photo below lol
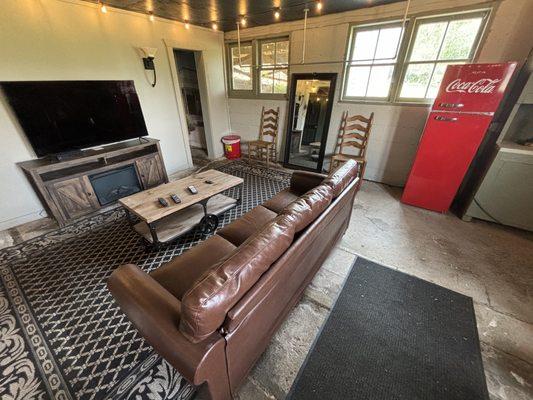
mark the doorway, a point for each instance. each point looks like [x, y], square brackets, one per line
[190, 92]
[310, 105]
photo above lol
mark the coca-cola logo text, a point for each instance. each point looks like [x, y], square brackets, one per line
[484, 85]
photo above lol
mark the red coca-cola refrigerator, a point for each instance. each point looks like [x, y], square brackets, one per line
[462, 112]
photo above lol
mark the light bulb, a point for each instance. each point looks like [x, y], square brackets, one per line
[243, 21]
[318, 5]
[152, 18]
[276, 14]
[187, 26]
[103, 8]
[214, 26]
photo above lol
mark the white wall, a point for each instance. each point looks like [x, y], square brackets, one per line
[73, 40]
[397, 127]
[245, 117]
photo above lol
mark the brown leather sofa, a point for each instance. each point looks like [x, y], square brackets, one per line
[212, 311]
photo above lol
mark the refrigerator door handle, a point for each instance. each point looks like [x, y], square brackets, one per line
[451, 105]
[446, 119]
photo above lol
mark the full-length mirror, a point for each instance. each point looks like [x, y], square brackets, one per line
[310, 105]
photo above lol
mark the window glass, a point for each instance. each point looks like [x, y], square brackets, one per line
[280, 80]
[428, 40]
[241, 72]
[387, 47]
[274, 60]
[282, 52]
[374, 53]
[460, 39]
[268, 53]
[380, 81]
[357, 81]
[365, 44]
[437, 42]
[416, 80]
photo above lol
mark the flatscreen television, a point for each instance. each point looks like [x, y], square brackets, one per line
[61, 116]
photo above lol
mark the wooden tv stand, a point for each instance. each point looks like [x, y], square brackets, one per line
[65, 189]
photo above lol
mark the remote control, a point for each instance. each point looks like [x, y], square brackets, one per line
[163, 202]
[208, 182]
[193, 190]
[175, 198]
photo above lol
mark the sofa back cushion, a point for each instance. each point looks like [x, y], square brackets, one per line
[309, 206]
[205, 305]
[303, 181]
[339, 179]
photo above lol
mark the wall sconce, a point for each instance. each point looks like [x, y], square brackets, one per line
[148, 61]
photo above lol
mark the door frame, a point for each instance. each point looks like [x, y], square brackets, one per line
[202, 86]
[330, 76]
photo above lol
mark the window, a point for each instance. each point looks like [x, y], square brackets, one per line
[373, 55]
[438, 43]
[263, 69]
[274, 66]
[374, 58]
[241, 67]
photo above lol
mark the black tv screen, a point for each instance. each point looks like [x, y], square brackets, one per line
[59, 116]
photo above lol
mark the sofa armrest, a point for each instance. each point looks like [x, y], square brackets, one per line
[303, 181]
[155, 312]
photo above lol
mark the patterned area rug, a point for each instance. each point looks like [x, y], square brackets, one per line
[62, 335]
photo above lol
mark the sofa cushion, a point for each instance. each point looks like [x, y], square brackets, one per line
[241, 229]
[303, 181]
[205, 305]
[309, 206]
[178, 275]
[280, 201]
[342, 176]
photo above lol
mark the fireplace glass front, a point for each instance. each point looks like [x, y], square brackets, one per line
[112, 185]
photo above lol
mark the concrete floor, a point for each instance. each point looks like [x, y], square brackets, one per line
[490, 263]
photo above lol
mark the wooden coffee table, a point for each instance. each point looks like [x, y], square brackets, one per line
[160, 224]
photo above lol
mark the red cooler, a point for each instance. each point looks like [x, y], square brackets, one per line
[232, 146]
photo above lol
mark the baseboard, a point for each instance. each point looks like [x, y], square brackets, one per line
[23, 219]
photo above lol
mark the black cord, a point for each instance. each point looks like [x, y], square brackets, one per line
[486, 212]
[155, 78]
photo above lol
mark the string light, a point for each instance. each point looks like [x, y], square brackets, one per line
[242, 20]
[103, 8]
[152, 18]
[187, 25]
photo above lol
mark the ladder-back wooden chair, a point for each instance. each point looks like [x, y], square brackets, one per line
[265, 149]
[354, 132]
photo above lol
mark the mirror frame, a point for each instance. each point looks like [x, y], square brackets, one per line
[332, 77]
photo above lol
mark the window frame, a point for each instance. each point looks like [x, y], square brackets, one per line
[274, 67]
[348, 61]
[405, 50]
[484, 14]
[255, 93]
[230, 47]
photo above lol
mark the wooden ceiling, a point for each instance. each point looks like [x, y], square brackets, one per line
[226, 12]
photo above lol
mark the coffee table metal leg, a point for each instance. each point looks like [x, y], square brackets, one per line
[239, 191]
[155, 239]
[128, 215]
